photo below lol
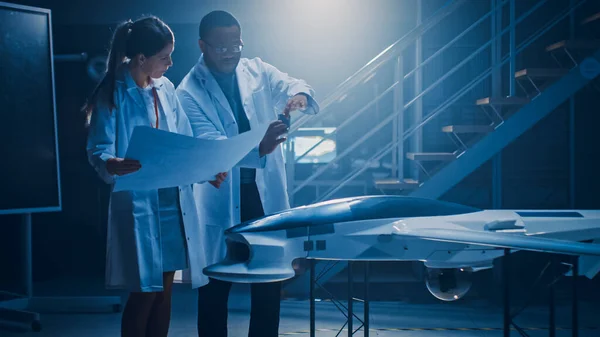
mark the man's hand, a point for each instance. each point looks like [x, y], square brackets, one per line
[220, 178]
[120, 166]
[297, 102]
[271, 139]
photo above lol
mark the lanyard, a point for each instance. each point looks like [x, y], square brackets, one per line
[155, 94]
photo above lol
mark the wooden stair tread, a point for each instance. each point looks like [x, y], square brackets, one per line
[431, 156]
[468, 128]
[574, 44]
[591, 18]
[541, 72]
[396, 184]
[503, 101]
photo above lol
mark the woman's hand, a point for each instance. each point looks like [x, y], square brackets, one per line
[120, 166]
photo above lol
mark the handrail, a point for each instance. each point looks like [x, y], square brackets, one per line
[390, 52]
[406, 106]
[390, 146]
[548, 25]
[347, 121]
[385, 150]
[422, 64]
[455, 39]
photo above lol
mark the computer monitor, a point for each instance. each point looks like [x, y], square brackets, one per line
[29, 168]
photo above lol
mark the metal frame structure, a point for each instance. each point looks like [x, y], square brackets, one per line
[388, 54]
[416, 144]
[398, 122]
[496, 26]
[347, 311]
[513, 127]
[510, 59]
[377, 62]
[572, 122]
[393, 52]
[507, 317]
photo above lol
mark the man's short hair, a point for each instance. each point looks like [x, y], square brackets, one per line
[216, 19]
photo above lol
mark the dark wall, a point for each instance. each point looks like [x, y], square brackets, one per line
[320, 41]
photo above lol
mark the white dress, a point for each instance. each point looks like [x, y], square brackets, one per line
[172, 235]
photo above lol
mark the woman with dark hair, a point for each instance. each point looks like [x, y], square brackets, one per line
[151, 234]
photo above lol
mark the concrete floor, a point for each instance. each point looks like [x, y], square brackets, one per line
[387, 319]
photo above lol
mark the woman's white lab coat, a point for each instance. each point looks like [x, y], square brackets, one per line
[264, 92]
[133, 257]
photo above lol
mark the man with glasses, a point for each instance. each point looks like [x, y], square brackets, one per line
[224, 95]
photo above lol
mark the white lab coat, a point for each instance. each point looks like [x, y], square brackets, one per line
[133, 257]
[264, 92]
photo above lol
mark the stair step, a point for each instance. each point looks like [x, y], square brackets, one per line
[591, 18]
[396, 184]
[541, 73]
[468, 128]
[575, 44]
[431, 156]
[513, 100]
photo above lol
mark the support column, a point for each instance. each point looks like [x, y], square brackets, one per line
[572, 122]
[496, 27]
[416, 144]
[398, 124]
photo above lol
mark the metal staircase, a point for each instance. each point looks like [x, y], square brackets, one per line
[522, 120]
[411, 170]
[518, 99]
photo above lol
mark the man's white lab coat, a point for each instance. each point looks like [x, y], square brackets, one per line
[264, 92]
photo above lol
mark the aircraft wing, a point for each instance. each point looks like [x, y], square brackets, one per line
[503, 240]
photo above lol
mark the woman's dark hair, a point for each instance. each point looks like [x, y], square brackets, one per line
[146, 36]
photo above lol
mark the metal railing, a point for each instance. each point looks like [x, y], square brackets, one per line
[388, 54]
[406, 76]
[442, 107]
[418, 97]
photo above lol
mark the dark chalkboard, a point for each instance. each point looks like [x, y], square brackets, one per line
[29, 169]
